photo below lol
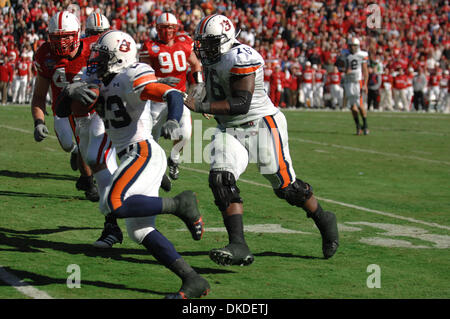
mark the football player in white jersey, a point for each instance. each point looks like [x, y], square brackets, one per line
[126, 87]
[250, 129]
[355, 81]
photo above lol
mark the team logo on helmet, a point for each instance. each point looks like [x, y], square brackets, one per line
[124, 46]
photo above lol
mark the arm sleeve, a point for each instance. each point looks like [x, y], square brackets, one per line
[240, 102]
[175, 104]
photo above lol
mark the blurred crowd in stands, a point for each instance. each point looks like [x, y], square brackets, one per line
[409, 49]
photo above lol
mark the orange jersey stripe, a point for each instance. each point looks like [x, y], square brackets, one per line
[155, 91]
[361, 83]
[283, 170]
[115, 195]
[143, 79]
[247, 70]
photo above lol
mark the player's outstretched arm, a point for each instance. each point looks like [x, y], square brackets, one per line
[38, 107]
[242, 88]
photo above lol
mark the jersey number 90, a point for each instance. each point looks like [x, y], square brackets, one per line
[169, 63]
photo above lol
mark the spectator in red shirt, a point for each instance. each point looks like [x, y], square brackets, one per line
[400, 91]
[268, 70]
[386, 90]
[276, 85]
[434, 89]
[6, 76]
[336, 91]
[35, 12]
[291, 86]
[307, 85]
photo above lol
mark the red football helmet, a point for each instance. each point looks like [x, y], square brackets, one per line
[167, 27]
[64, 33]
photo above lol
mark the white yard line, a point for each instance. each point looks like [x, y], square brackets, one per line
[21, 286]
[369, 210]
[23, 131]
[357, 149]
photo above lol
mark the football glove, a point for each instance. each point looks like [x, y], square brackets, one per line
[80, 92]
[198, 91]
[40, 132]
[170, 80]
[171, 130]
[196, 104]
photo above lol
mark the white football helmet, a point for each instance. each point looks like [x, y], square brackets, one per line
[114, 51]
[214, 36]
[96, 23]
[166, 26]
[64, 33]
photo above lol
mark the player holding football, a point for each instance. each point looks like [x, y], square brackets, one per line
[248, 121]
[171, 55]
[94, 144]
[58, 62]
[355, 80]
[125, 88]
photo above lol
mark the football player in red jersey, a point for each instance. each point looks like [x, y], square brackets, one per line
[171, 55]
[59, 62]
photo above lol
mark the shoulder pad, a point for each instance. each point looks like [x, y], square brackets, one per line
[245, 60]
[140, 74]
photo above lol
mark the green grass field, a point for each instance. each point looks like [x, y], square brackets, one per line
[390, 191]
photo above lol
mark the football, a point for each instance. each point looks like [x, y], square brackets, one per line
[79, 108]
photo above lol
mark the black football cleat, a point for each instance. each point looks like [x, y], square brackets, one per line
[87, 184]
[92, 193]
[232, 254]
[111, 234]
[327, 225]
[166, 184]
[193, 287]
[173, 169]
[187, 211]
[74, 160]
[366, 131]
